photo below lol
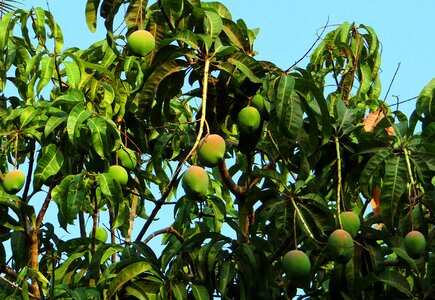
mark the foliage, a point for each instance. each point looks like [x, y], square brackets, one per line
[311, 159]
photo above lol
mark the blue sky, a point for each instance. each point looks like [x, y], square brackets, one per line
[288, 29]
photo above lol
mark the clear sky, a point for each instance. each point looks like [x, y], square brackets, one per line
[288, 28]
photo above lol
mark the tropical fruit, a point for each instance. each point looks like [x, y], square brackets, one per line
[340, 245]
[141, 42]
[296, 265]
[248, 120]
[195, 182]
[101, 234]
[13, 181]
[119, 174]
[127, 158]
[350, 222]
[211, 150]
[258, 102]
[415, 243]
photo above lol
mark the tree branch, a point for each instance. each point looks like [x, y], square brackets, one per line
[168, 189]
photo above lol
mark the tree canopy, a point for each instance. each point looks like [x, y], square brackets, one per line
[254, 162]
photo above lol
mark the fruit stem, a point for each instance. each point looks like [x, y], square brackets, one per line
[412, 192]
[15, 152]
[339, 186]
[140, 14]
[167, 191]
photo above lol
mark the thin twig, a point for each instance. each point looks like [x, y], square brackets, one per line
[392, 80]
[311, 48]
[14, 285]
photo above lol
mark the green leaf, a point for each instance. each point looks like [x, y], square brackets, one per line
[91, 14]
[179, 290]
[20, 253]
[395, 280]
[105, 105]
[53, 122]
[39, 21]
[187, 37]
[173, 9]
[47, 70]
[127, 274]
[75, 119]
[98, 128]
[217, 7]
[200, 292]
[133, 12]
[72, 97]
[287, 107]
[85, 293]
[72, 73]
[425, 102]
[73, 203]
[49, 164]
[346, 117]
[56, 32]
[5, 26]
[403, 255]
[234, 33]
[250, 67]
[66, 265]
[151, 85]
[212, 24]
[226, 276]
[372, 167]
[394, 186]
[27, 115]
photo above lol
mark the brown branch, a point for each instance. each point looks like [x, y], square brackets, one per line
[43, 210]
[229, 182]
[132, 215]
[14, 285]
[82, 224]
[169, 229]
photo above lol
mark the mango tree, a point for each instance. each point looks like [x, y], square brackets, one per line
[311, 188]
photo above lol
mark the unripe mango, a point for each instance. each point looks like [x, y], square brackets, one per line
[13, 181]
[350, 222]
[101, 234]
[415, 244]
[127, 158]
[141, 42]
[296, 265]
[195, 182]
[119, 174]
[248, 120]
[340, 245]
[211, 150]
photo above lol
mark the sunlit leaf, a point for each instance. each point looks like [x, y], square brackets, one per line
[49, 164]
[75, 119]
[126, 274]
[91, 14]
[250, 67]
[394, 186]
